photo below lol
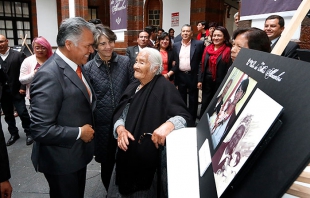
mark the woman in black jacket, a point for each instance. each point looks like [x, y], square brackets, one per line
[215, 63]
[109, 74]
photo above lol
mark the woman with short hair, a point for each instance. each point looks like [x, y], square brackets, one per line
[109, 74]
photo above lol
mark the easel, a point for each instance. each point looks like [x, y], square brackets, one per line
[297, 189]
[24, 43]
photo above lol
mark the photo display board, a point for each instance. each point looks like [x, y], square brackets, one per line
[261, 111]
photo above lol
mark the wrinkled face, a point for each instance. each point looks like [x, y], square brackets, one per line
[240, 42]
[164, 43]
[142, 68]
[186, 33]
[200, 27]
[39, 50]
[273, 29]
[4, 43]
[79, 53]
[218, 38]
[143, 39]
[105, 47]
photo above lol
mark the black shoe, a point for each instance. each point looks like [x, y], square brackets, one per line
[12, 140]
[29, 140]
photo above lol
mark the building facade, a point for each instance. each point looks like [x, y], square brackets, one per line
[20, 19]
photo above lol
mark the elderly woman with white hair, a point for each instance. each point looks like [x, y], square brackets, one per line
[149, 110]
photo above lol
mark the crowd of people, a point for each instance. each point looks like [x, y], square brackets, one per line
[88, 101]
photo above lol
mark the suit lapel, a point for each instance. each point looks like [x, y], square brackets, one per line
[193, 47]
[72, 76]
[8, 60]
[93, 103]
[136, 51]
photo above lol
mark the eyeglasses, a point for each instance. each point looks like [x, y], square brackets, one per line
[40, 48]
[142, 137]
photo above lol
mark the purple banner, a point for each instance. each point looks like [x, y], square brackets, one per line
[254, 7]
[118, 14]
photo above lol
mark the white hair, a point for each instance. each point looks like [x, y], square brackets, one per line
[235, 15]
[154, 58]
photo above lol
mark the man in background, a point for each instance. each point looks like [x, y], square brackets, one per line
[188, 55]
[151, 30]
[13, 92]
[133, 51]
[274, 26]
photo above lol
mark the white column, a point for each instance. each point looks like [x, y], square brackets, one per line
[47, 14]
[71, 8]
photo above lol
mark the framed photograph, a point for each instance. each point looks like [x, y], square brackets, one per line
[223, 111]
[247, 133]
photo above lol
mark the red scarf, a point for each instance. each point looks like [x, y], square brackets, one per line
[224, 50]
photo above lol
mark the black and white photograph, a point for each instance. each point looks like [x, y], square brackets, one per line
[248, 131]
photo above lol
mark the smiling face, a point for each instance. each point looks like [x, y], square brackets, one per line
[105, 47]
[79, 52]
[240, 42]
[273, 29]
[39, 50]
[218, 38]
[164, 43]
[142, 68]
[186, 33]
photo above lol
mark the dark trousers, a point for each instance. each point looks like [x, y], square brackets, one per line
[187, 84]
[69, 185]
[8, 101]
[106, 173]
[209, 88]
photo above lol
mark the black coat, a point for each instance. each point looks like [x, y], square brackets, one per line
[13, 63]
[4, 160]
[290, 50]
[109, 82]
[149, 108]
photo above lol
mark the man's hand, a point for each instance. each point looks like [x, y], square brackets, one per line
[6, 189]
[123, 136]
[160, 134]
[87, 133]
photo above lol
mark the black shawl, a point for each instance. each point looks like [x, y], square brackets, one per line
[150, 107]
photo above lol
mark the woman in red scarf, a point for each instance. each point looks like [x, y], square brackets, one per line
[215, 63]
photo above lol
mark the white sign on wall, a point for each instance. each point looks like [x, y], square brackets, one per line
[174, 19]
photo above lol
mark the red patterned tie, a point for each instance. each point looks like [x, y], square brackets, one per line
[79, 73]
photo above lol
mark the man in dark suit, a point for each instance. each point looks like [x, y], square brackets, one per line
[133, 51]
[274, 26]
[5, 186]
[188, 55]
[62, 105]
[13, 92]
